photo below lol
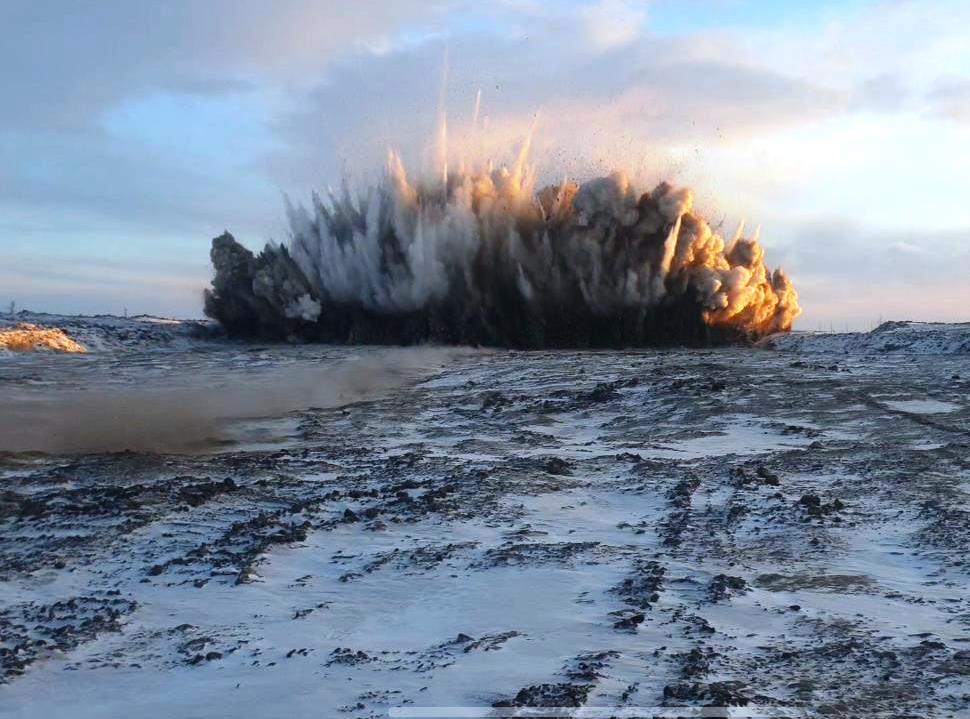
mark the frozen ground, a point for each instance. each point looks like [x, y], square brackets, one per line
[910, 337]
[105, 333]
[735, 527]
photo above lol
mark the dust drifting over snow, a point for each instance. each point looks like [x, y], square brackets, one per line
[196, 415]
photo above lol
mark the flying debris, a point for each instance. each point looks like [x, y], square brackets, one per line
[478, 256]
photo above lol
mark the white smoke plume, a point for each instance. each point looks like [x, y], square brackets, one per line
[479, 255]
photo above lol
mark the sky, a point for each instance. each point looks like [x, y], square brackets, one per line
[133, 131]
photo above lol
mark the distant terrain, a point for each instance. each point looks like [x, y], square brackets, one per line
[108, 332]
[100, 333]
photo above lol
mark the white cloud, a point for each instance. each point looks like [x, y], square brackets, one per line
[612, 23]
[951, 99]
[62, 63]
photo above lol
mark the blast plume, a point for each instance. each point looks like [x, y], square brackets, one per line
[478, 256]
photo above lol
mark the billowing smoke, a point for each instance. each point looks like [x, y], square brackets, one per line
[480, 257]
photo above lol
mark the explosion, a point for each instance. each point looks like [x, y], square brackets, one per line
[478, 256]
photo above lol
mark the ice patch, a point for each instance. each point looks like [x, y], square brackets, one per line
[922, 406]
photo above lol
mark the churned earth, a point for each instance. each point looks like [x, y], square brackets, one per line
[749, 528]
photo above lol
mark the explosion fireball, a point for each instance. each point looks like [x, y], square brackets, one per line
[478, 256]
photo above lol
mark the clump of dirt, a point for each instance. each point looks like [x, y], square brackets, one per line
[845, 583]
[548, 695]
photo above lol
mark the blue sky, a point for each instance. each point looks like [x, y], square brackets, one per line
[134, 131]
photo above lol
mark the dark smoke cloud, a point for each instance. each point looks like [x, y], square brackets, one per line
[479, 257]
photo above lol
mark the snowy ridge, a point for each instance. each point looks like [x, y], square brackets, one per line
[916, 337]
[105, 333]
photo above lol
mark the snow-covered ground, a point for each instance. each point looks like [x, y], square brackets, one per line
[101, 333]
[912, 337]
[107, 333]
[768, 530]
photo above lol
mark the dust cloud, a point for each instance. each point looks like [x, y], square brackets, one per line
[193, 415]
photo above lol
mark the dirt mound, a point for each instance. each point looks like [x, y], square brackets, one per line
[26, 337]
